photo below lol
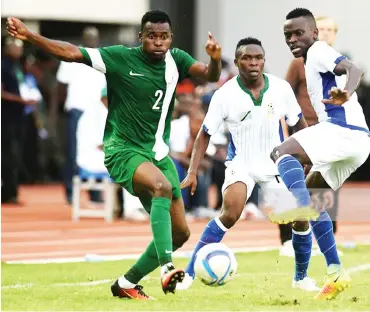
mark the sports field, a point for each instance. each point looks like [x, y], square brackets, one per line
[263, 283]
[42, 231]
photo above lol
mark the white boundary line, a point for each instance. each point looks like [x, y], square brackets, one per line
[359, 268]
[179, 254]
[100, 258]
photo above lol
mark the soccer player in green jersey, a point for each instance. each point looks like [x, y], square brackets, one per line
[141, 85]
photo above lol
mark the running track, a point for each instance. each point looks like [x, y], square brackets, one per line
[42, 228]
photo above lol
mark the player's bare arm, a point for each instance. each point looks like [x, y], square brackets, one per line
[199, 149]
[292, 76]
[354, 76]
[60, 49]
[212, 71]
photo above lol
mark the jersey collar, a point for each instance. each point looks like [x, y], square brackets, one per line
[262, 92]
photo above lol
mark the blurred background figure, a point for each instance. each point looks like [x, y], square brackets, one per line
[79, 86]
[89, 136]
[12, 118]
[328, 29]
[188, 117]
[33, 129]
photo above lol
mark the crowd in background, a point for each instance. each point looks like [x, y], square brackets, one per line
[43, 101]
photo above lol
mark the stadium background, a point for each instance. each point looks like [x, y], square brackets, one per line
[41, 227]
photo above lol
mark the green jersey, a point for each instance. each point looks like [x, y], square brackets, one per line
[140, 96]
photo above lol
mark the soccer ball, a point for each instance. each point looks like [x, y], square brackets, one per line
[215, 264]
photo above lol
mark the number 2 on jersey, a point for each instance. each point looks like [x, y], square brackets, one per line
[159, 95]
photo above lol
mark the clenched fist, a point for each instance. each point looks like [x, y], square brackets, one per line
[16, 28]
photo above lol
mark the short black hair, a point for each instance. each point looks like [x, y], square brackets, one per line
[248, 41]
[300, 12]
[155, 16]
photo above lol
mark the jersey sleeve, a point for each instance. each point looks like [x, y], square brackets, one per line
[104, 59]
[215, 115]
[183, 61]
[325, 58]
[293, 110]
[63, 73]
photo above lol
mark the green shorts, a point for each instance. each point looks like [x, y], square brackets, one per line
[122, 164]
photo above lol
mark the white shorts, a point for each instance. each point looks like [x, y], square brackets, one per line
[335, 151]
[237, 172]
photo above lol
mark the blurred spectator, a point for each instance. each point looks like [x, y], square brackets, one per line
[51, 157]
[200, 197]
[189, 116]
[90, 132]
[80, 86]
[180, 142]
[12, 119]
[33, 124]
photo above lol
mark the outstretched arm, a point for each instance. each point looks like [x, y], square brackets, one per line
[60, 49]
[212, 71]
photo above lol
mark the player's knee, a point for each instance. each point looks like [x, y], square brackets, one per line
[300, 226]
[162, 188]
[275, 154]
[180, 238]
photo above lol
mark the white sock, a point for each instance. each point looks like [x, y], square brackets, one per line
[124, 283]
[164, 268]
[220, 224]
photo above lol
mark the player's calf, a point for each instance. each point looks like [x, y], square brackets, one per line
[233, 204]
[180, 238]
[293, 176]
[229, 217]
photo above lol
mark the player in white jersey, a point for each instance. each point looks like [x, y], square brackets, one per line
[335, 147]
[252, 105]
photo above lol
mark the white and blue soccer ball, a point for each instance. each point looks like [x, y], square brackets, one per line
[215, 264]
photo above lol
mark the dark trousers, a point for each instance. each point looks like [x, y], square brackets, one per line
[181, 171]
[70, 165]
[200, 197]
[11, 138]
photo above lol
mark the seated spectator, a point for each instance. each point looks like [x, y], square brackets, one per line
[90, 132]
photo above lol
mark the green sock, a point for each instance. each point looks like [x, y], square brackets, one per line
[160, 221]
[146, 264]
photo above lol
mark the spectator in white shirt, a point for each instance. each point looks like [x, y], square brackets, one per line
[82, 86]
[90, 132]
